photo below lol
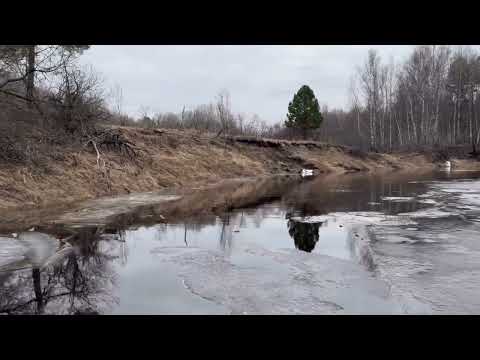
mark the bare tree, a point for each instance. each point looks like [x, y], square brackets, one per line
[24, 62]
[117, 99]
[79, 96]
[369, 76]
[224, 112]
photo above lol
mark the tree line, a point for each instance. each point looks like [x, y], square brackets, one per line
[215, 118]
[428, 100]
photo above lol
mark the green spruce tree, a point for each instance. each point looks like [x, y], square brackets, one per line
[303, 111]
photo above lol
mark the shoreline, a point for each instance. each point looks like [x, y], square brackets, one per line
[177, 160]
[179, 204]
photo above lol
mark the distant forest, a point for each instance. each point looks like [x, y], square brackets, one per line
[430, 100]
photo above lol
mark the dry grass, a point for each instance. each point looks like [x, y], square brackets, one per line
[174, 159]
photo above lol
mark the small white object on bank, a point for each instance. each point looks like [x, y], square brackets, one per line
[447, 165]
[307, 172]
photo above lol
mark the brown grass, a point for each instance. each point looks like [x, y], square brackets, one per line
[175, 159]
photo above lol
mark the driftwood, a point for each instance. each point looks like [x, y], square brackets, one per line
[101, 164]
[94, 144]
[110, 140]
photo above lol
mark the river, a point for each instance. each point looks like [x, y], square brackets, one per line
[359, 244]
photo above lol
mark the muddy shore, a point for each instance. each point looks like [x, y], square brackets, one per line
[173, 160]
[183, 203]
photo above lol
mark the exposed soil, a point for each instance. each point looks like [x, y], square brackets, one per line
[170, 159]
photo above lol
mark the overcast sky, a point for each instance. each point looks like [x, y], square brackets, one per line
[260, 79]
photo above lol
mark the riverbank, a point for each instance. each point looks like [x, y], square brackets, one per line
[170, 159]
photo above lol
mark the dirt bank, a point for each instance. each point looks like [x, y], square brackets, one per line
[173, 159]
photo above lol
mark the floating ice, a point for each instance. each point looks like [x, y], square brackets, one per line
[429, 213]
[428, 201]
[10, 251]
[397, 198]
[372, 218]
[289, 282]
[31, 249]
[39, 246]
[312, 219]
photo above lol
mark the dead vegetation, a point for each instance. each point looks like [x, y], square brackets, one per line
[111, 140]
[138, 160]
[56, 144]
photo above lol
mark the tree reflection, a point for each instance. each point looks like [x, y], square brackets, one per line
[37, 286]
[81, 282]
[304, 234]
[226, 232]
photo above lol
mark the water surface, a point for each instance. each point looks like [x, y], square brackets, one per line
[369, 244]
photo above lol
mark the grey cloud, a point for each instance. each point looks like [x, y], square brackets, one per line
[260, 79]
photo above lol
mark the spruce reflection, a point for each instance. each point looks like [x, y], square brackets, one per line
[304, 234]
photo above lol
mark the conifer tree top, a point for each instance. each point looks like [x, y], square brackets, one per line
[303, 110]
